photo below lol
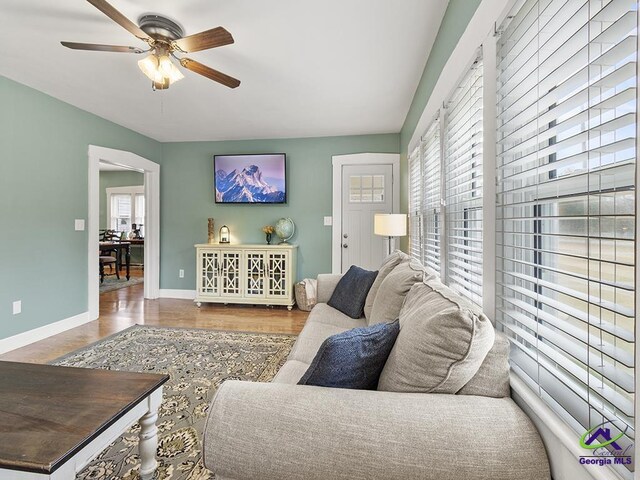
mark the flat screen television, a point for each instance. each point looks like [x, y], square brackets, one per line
[256, 178]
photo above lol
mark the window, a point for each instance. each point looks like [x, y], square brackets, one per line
[139, 209]
[121, 212]
[415, 205]
[366, 189]
[125, 207]
[460, 151]
[566, 160]
[463, 185]
[432, 197]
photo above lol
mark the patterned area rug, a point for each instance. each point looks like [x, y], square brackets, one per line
[198, 361]
[111, 283]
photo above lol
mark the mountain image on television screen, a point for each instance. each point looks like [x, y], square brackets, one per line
[247, 186]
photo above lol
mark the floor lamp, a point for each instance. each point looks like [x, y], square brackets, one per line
[390, 225]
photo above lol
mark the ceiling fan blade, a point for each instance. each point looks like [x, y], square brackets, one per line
[101, 48]
[120, 19]
[209, 72]
[216, 37]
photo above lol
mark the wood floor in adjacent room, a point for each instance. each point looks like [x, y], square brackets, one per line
[122, 308]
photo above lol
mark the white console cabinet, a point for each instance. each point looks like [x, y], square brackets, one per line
[255, 274]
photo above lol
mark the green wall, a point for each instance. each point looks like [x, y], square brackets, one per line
[43, 188]
[454, 23]
[111, 179]
[187, 200]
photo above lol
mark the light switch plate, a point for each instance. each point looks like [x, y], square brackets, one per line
[17, 307]
[181, 273]
[328, 221]
[79, 224]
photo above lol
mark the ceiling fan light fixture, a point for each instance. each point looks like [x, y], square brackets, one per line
[149, 66]
[160, 70]
[169, 70]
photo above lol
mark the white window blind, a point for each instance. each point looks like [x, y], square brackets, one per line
[565, 268]
[121, 212]
[432, 196]
[415, 205]
[463, 185]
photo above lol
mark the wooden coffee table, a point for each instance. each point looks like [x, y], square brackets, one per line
[55, 420]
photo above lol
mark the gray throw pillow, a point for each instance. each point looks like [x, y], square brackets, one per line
[393, 290]
[352, 359]
[386, 268]
[443, 341]
[351, 291]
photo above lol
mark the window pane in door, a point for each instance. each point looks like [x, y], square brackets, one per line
[366, 189]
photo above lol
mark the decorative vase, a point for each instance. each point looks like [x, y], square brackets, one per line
[211, 231]
[268, 239]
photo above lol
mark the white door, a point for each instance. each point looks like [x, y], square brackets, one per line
[366, 190]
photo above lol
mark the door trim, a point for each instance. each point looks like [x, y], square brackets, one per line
[152, 219]
[339, 161]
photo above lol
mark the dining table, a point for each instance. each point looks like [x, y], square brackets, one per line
[118, 247]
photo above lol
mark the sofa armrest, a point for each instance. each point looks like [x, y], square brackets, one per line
[326, 285]
[275, 431]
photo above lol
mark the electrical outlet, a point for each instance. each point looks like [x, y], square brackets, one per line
[181, 273]
[17, 307]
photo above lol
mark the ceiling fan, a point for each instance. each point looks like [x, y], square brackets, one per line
[165, 38]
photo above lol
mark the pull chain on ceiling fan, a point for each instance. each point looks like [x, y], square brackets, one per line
[165, 38]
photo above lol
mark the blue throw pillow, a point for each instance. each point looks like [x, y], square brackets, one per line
[351, 291]
[352, 359]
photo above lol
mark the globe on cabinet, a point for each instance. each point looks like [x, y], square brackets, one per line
[285, 228]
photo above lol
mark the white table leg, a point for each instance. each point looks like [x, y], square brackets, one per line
[149, 438]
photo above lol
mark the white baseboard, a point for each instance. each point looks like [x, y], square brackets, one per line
[173, 293]
[40, 333]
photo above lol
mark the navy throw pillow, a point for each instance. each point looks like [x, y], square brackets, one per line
[352, 359]
[351, 291]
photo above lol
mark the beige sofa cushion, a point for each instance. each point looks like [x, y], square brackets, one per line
[385, 269]
[325, 314]
[393, 290]
[291, 372]
[442, 343]
[492, 379]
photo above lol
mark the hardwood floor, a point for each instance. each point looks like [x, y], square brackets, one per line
[122, 308]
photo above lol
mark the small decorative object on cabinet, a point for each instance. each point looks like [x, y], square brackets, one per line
[211, 232]
[268, 231]
[254, 274]
[224, 234]
[285, 228]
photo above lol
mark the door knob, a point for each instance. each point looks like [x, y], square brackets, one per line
[344, 245]
[345, 235]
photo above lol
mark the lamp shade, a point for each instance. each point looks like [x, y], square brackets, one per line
[390, 224]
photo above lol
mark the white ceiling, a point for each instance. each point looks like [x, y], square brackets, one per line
[308, 68]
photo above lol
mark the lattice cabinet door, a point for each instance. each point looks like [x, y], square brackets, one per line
[209, 273]
[255, 273]
[230, 273]
[278, 273]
